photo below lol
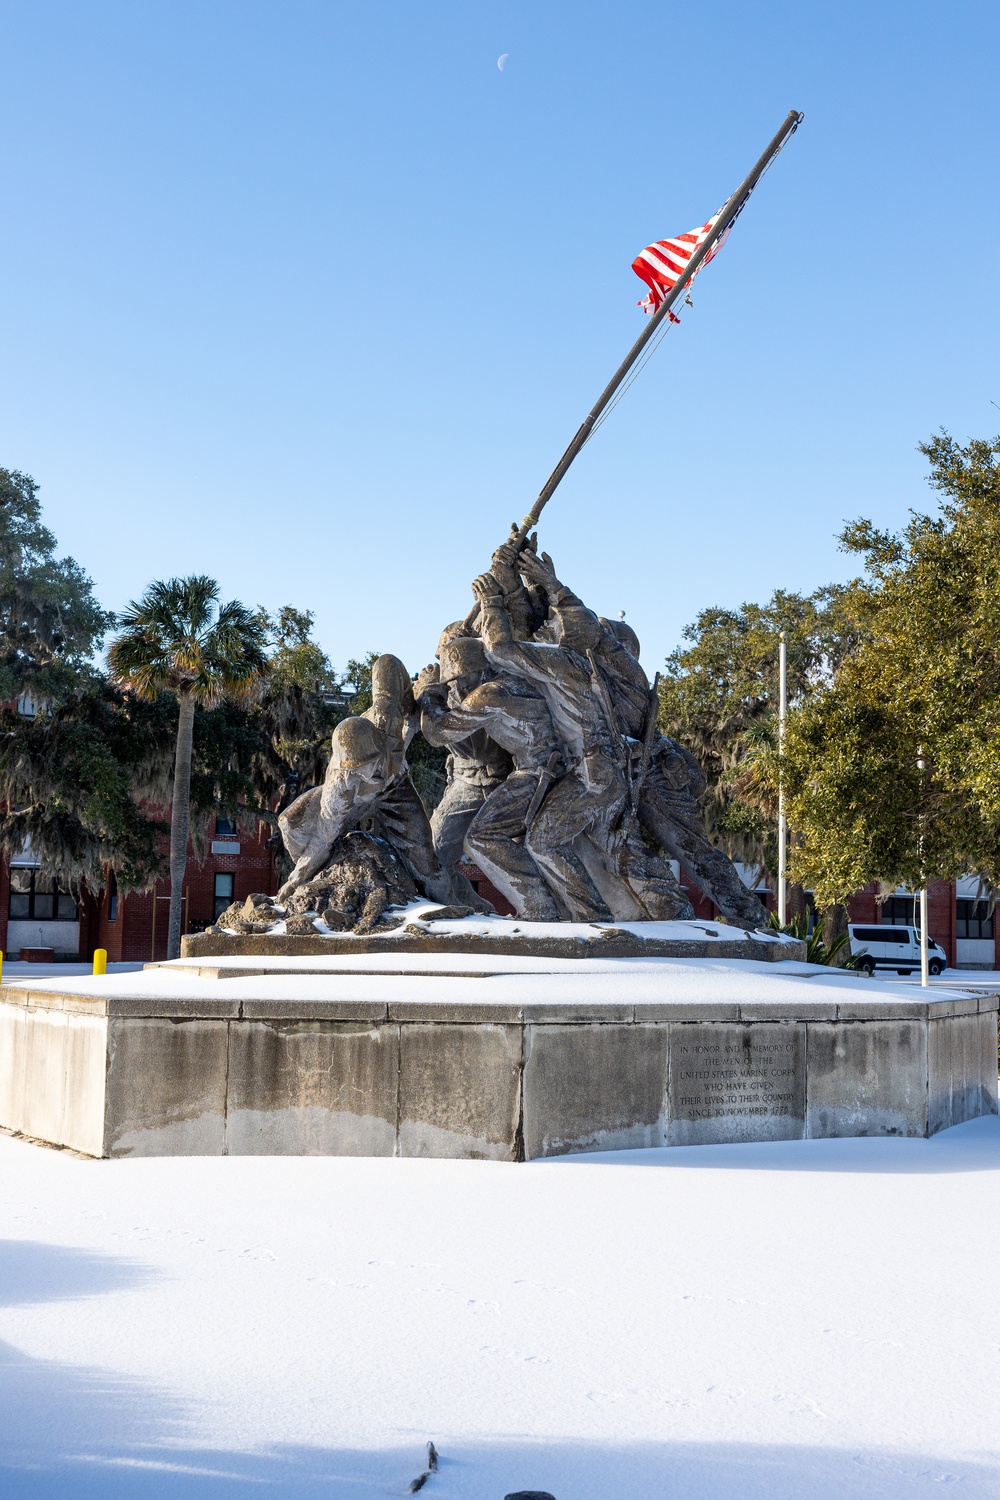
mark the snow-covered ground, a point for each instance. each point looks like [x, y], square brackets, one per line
[15, 972]
[809, 1319]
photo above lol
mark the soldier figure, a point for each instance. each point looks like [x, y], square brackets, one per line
[585, 812]
[477, 765]
[514, 715]
[672, 780]
[367, 777]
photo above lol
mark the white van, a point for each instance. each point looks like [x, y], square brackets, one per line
[888, 947]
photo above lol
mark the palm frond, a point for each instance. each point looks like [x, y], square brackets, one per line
[176, 640]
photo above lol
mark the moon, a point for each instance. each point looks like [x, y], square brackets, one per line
[502, 59]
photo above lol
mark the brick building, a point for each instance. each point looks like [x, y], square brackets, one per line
[132, 927]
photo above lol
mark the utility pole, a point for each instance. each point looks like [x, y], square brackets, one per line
[782, 820]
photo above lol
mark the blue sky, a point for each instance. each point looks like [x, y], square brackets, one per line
[312, 296]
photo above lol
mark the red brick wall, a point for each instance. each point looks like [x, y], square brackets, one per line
[134, 937]
[941, 915]
[704, 909]
[487, 889]
[863, 906]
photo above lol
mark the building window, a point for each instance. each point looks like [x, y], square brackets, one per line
[225, 828]
[973, 919]
[901, 911]
[224, 884]
[33, 899]
[112, 897]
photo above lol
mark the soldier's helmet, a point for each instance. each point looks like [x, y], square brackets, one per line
[453, 631]
[462, 656]
[624, 635]
[356, 742]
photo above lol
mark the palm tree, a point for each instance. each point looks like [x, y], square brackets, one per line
[179, 640]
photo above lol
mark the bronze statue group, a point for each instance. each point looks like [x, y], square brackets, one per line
[561, 789]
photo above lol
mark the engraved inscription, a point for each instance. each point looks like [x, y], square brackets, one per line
[750, 1076]
[757, 1079]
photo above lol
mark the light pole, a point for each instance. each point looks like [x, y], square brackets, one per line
[782, 820]
[924, 962]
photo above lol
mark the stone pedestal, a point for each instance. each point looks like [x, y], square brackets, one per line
[474, 1056]
[503, 937]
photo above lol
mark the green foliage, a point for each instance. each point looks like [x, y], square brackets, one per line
[359, 678]
[71, 779]
[72, 776]
[817, 951]
[296, 659]
[83, 778]
[921, 680]
[719, 698]
[50, 622]
[294, 715]
[178, 639]
[427, 764]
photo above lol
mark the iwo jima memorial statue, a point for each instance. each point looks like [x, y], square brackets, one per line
[376, 1008]
[559, 780]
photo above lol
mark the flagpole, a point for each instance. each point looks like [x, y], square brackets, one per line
[722, 223]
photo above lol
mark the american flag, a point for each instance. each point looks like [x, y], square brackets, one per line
[660, 265]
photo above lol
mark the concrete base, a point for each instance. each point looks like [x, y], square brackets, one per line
[501, 1060]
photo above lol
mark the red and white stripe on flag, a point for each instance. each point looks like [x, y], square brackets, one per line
[660, 265]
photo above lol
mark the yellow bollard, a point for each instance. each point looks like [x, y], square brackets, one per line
[100, 960]
[1, 966]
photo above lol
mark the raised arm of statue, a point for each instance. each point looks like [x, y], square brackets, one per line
[582, 630]
[540, 569]
[528, 658]
[522, 608]
[393, 709]
[433, 717]
[494, 621]
[430, 677]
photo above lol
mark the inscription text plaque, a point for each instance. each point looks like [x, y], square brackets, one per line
[729, 1082]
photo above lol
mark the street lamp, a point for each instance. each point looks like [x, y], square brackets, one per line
[924, 961]
[782, 820]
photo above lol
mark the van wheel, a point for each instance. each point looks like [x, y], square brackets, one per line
[866, 966]
[936, 967]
